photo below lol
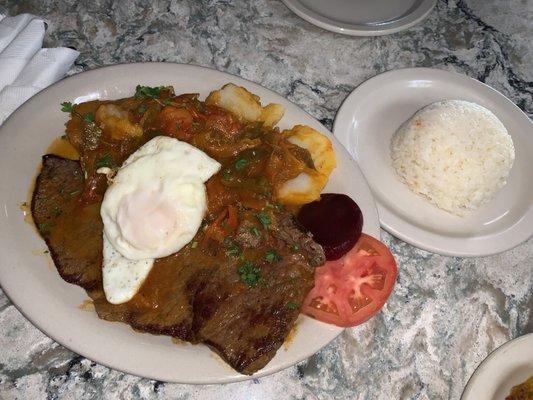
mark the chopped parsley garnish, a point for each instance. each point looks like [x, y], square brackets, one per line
[194, 245]
[89, 117]
[233, 251]
[295, 248]
[46, 252]
[255, 231]
[141, 109]
[249, 273]
[227, 174]
[272, 256]
[144, 92]
[67, 106]
[292, 305]
[264, 218]
[166, 102]
[105, 161]
[240, 163]
[43, 227]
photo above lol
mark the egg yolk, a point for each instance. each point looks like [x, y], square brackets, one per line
[147, 219]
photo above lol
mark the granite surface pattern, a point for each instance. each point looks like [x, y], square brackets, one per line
[445, 315]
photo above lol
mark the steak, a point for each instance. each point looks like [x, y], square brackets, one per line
[193, 295]
[246, 327]
[54, 206]
[73, 234]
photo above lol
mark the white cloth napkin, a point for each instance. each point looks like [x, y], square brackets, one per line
[26, 68]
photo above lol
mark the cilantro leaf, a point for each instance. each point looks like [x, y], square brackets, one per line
[67, 106]
[249, 273]
[44, 227]
[292, 305]
[272, 256]
[227, 174]
[144, 92]
[141, 109]
[264, 218]
[240, 163]
[105, 161]
[255, 231]
[89, 117]
[233, 251]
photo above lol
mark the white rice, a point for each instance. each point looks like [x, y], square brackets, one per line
[455, 153]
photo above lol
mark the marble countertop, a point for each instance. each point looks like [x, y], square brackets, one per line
[445, 315]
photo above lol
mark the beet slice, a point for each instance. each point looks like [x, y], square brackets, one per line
[335, 221]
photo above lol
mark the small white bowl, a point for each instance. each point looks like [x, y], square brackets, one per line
[507, 366]
[365, 125]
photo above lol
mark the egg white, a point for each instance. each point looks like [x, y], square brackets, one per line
[122, 278]
[189, 201]
[153, 208]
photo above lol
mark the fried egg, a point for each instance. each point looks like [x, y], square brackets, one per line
[153, 208]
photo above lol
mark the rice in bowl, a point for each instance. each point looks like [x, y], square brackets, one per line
[455, 153]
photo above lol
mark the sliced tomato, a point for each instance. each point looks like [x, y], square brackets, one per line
[352, 289]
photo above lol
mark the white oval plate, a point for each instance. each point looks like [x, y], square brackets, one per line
[31, 281]
[362, 17]
[507, 366]
[365, 125]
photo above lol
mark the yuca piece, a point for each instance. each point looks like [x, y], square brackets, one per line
[245, 105]
[306, 187]
[456, 154]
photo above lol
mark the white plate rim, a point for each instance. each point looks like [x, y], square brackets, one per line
[486, 363]
[406, 22]
[390, 221]
[371, 227]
